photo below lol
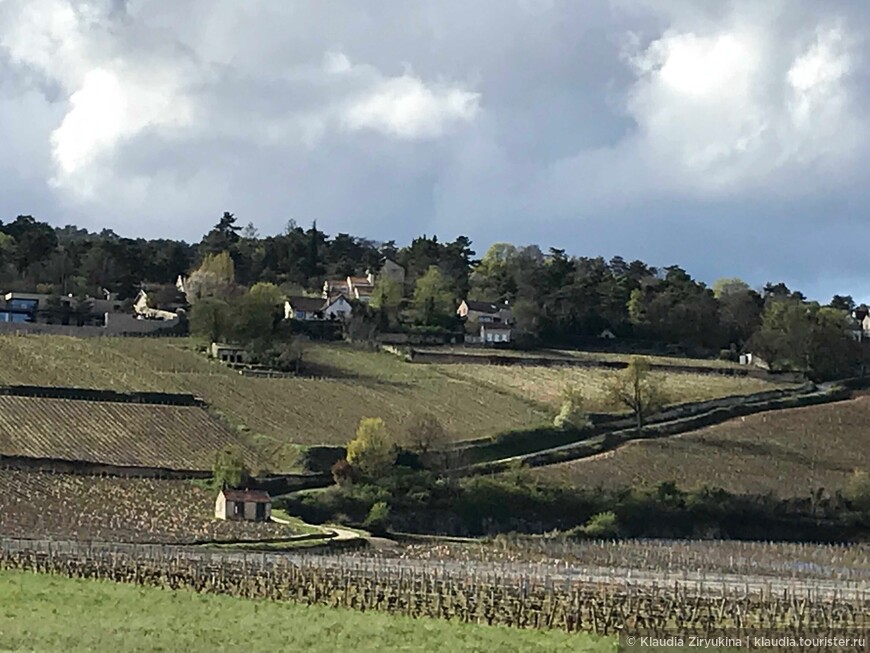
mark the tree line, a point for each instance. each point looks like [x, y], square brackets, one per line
[556, 299]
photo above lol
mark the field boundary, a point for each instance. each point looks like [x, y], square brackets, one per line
[526, 441]
[273, 483]
[613, 439]
[112, 396]
[419, 356]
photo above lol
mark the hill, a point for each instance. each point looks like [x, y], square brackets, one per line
[789, 452]
[543, 385]
[110, 509]
[115, 433]
[323, 407]
[342, 385]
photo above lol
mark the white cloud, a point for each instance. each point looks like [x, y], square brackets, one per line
[407, 108]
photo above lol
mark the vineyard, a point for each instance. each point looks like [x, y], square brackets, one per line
[343, 386]
[114, 433]
[543, 385]
[53, 613]
[790, 452]
[515, 594]
[86, 508]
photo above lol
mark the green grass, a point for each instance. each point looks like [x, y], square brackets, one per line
[50, 613]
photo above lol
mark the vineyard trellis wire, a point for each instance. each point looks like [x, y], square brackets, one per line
[517, 595]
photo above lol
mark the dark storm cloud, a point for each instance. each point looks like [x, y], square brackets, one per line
[727, 137]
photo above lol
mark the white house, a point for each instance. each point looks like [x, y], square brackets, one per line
[243, 505]
[317, 308]
[490, 333]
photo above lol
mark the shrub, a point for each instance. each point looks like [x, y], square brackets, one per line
[342, 472]
[378, 519]
[572, 413]
[857, 491]
[229, 469]
[371, 452]
[603, 525]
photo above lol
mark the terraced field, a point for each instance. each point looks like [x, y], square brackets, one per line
[788, 453]
[346, 386]
[113, 433]
[343, 386]
[60, 506]
[543, 385]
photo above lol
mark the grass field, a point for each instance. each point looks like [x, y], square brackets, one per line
[60, 506]
[789, 453]
[51, 613]
[348, 385]
[543, 385]
[114, 433]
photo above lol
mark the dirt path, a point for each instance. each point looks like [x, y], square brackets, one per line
[345, 535]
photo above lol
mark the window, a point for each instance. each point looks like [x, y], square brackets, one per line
[238, 508]
[300, 315]
[485, 318]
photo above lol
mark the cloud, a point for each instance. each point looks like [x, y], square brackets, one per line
[623, 127]
[407, 108]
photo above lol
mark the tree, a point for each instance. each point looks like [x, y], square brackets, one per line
[572, 413]
[256, 313]
[434, 298]
[843, 303]
[638, 390]
[387, 298]
[223, 237]
[424, 434]
[210, 318]
[371, 452]
[857, 491]
[215, 277]
[229, 470]
[378, 519]
[342, 472]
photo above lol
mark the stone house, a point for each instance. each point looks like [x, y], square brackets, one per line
[243, 505]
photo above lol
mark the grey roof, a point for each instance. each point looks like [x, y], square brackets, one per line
[483, 307]
[307, 304]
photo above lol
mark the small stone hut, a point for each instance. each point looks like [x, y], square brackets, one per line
[243, 505]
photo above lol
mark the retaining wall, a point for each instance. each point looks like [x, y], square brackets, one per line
[88, 394]
[117, 325]
[612, 439]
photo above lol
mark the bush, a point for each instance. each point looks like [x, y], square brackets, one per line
[857, 491]
[572, 413]
[229, 469]
[378, 519]
[371, 452]
[603, 525]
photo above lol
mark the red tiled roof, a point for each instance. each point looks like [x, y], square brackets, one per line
[257, 496]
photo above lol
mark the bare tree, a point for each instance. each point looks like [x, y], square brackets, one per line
[636, 388]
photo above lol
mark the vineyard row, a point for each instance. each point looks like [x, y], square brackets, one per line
[528, 602]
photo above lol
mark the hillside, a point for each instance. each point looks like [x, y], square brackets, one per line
[342, 386]
[114, 433]
[543, 385]
[71, 507]
[345, 385]
[789, 453]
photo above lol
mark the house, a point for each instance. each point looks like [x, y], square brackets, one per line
[243, 505]
[607, 334]
[317, 308]
[485, 312]
[159, 302]
[334, 287]
[43, 308]
[491, 333]
[228, 353]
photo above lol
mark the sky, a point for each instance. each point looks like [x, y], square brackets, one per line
[729, 137]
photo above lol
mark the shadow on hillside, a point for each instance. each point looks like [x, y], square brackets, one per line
[324, 371]
[769, 450]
